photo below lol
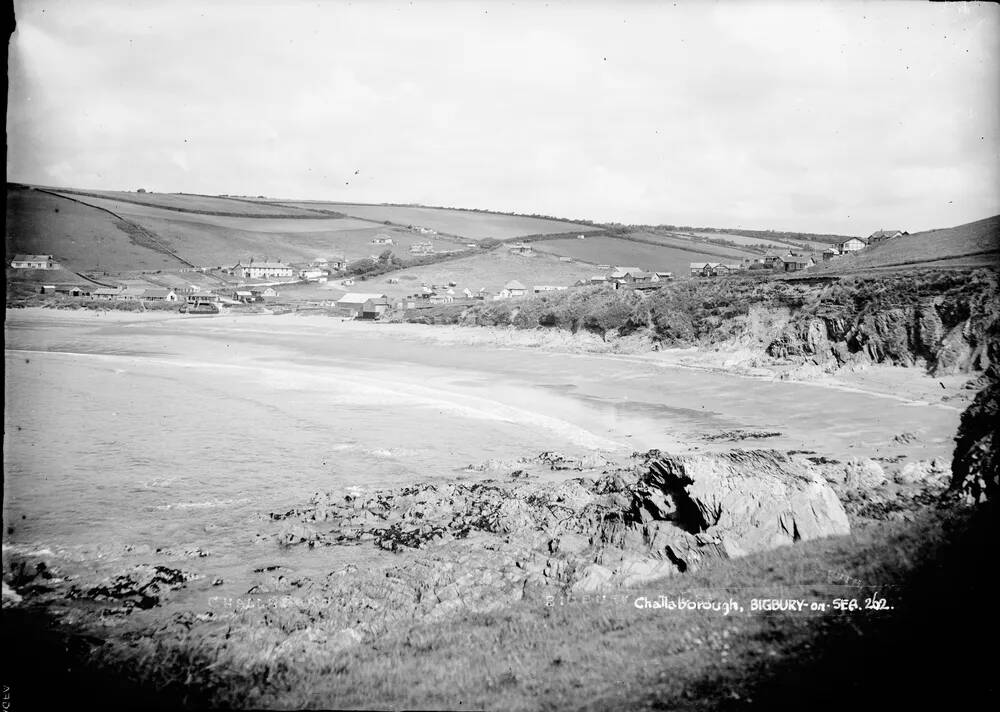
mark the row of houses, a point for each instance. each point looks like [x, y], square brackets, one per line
[628, 277]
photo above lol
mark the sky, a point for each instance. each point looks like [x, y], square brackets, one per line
[840, 117]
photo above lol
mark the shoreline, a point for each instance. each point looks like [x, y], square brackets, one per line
[909, 385]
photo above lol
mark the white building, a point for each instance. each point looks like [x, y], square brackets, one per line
[33, 262]
[262, 270]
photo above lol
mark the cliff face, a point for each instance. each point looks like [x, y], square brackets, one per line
[944, 321]
[944, 333]
[976, 464]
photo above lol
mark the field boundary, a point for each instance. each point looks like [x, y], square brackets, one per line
[191, 211]
[633, 238]
[157, 246]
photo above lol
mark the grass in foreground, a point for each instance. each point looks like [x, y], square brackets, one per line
[935, 570]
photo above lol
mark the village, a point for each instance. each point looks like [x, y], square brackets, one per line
[256, 282]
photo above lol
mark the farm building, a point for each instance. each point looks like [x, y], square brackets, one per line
[830, 253]
[664, 276]
[264, 293]
[546, 288]
[382, 239]
[243, 295]
[262, 270]
[854, 244]
[105, 293]
[47, 289]
[364, 305]
[33, 262]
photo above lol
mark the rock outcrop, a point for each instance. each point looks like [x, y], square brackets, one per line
[486, 543]
[975, 465]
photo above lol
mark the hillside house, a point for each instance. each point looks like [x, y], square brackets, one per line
[830, 253]
[772, 258]
[337, 264]
[441, 299]
[47, 289]
[882, 235]
[547, 288]
[623, 274]
[382, 240]
[797, 263]
[854, 244]
[664, 276]
[512, 289]
[704, 269]
[33, 262]
[363, 305]
[262, 270]
[521, 248]
[159, 295]
[598, 279]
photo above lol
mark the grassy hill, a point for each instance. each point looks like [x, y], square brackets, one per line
[80, 237]
[489, 270]
[473, 225]
[214, 240]
[645, 250]
[199, 204]
[975, 244]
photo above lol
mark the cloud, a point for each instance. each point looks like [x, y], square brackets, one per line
[824, 117]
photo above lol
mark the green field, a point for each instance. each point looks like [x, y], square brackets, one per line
[463, 223]
[744, 239]
[975, 244]
[630, 253]
[81, 238]
[490, 270]
[213, 240]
